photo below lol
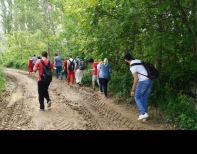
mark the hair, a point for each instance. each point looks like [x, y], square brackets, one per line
[34, 55]
[78, 57]
[106, 61]
[91, 60]
[38, 57]
[44, 54]
[66, 58]
[128, 57]
[70, 56]
[55, 54]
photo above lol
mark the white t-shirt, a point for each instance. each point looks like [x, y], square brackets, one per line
[139, 69]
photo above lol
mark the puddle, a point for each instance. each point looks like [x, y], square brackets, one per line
[15, 97]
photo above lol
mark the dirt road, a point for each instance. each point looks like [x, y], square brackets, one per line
[73, 108]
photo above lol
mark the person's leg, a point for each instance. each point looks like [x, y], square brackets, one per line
[104, 85]
[146, 94]
[46, 93]
[41, 89]
[65, 74]
[101, 85]
[60, 71]
[80, 76]
[68, 78]
[72, 77]
[56, 72]
[77, 73]
[93, 81]
[139, 92]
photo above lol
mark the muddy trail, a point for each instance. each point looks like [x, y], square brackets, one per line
[73, 108]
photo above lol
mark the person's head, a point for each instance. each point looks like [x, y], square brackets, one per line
[78, 57]
[66, 58]
[34, 55]
[105, 61]
[91, 60]
[55, 54]
[44, 54]
[70, 56]
[38, 57]
[99, 60]
[128, 58]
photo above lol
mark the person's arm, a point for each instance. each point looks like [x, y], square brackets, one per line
[135, 81]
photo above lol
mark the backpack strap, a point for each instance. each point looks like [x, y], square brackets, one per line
[138, 64]
[44, 63]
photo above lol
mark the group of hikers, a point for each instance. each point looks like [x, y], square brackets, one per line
[101, 70]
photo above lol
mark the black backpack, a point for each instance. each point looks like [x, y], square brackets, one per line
[151, 70]
[81, 64]
[46, 72]
[71, 65]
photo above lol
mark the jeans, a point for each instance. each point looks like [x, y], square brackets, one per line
[43, 93]
[103, 85]
[58, 71]
[142, 93]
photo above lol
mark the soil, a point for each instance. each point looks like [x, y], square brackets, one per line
[73, 108]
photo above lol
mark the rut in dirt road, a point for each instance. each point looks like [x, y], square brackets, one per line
[73, 108]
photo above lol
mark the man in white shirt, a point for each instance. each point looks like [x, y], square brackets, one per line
[141, 85]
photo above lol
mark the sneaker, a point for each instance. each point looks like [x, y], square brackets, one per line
[49, 104]
[105, 97]
[143, 116]
[144, 119]
[40, 109]
[100, 92]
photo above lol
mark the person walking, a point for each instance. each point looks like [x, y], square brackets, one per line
[65, 68]
[71, 72]
[141, 87]
[58, 66]
[94, 73]
[78, 72]
[43, 86]
[34, 58]
[104, 76]
[98, 67]
[30, 66]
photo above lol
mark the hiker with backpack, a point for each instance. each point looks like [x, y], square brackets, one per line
[141, 87]
[79, 67]
[71, 70]
[45, 70]
[58, 66]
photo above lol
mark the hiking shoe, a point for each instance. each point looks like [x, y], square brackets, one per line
[49, 104]
[143, 116]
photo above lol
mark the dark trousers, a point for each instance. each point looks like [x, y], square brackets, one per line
[103, 85]
[43, 93]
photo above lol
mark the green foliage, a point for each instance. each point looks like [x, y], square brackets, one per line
[2, 79]
[87, 78]
[180, 111]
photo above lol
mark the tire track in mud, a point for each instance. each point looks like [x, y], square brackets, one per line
[73, 108]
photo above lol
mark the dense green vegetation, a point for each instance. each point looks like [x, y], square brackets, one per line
[161, 32]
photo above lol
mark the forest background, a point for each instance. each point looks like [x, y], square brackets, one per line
[161, 32]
